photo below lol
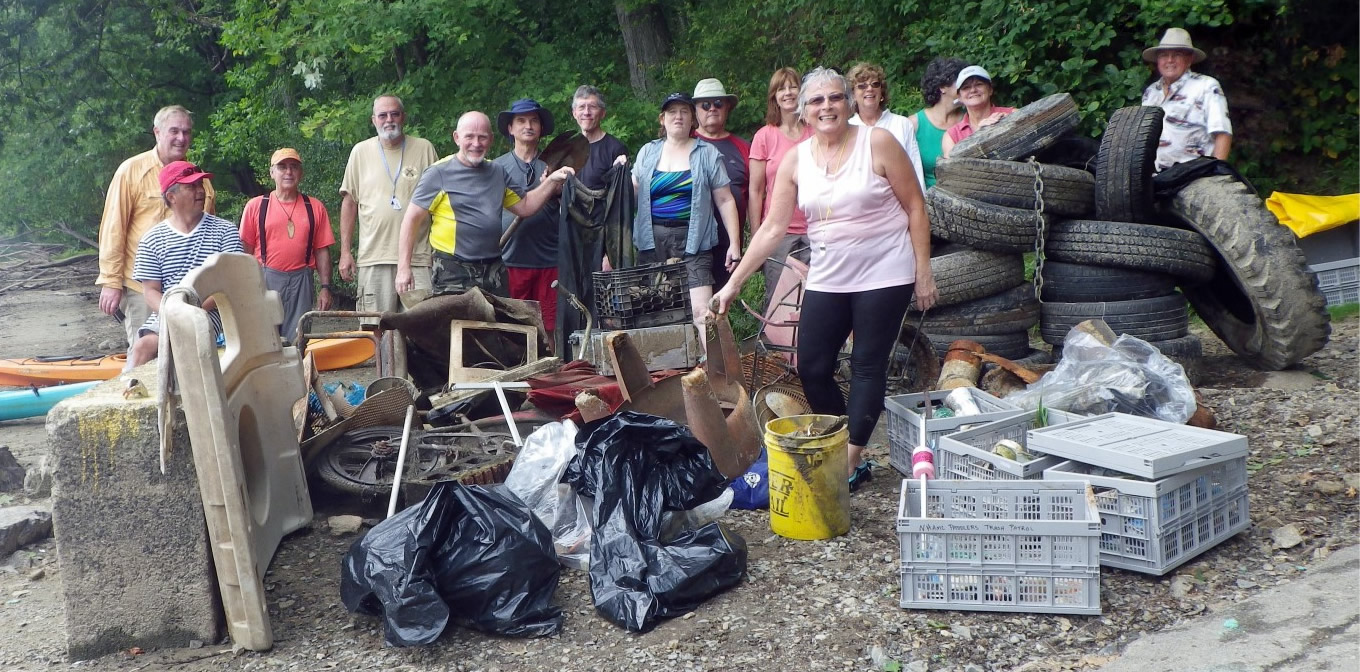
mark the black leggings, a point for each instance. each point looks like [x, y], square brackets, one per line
[825, 321]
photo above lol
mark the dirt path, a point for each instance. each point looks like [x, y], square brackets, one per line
[823, 605]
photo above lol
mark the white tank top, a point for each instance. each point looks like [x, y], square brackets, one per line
[856, 225]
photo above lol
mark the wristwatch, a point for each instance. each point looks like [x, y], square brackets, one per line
[325, 286]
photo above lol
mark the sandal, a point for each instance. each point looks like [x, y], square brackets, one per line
[863, 474]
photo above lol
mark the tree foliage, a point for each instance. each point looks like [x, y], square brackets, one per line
[81, 79]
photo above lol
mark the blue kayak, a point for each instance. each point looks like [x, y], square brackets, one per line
[38, 401]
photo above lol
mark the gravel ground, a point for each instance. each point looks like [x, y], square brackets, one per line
[825, 605]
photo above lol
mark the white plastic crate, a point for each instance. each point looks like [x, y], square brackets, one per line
[1144, 447]
[1156, 526]
[1339, 281]
[968, 454]
[1018, 546]
[904, 421]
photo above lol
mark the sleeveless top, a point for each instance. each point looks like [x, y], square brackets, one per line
[856, 225]
[672, 196]
[930, 139]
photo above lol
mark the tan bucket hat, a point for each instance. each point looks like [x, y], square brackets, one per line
[1175, 38]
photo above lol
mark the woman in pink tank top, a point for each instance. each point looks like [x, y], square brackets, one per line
[870, 254]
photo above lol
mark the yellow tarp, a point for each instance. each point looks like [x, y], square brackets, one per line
[1306, 215]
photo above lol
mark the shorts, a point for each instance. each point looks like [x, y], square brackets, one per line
[670, 244]
[453, 275]
[535, 284]
[135, 313]
[377, 290]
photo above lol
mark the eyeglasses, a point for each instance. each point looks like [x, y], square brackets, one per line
[388, 115]
[713, 104]
[833, 99]
[865, 86]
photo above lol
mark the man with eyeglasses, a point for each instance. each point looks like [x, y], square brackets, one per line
[290, 235]
[530, 255]
[376, 193]
[715, 105]
[588, 109]
[132, 206]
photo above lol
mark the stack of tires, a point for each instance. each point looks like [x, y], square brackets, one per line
[1113, 251]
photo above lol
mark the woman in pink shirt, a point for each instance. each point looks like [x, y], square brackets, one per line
[783, 130]
[870, 253]
[975, 92]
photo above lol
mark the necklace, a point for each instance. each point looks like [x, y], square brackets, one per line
[831, 176]
[289, 213]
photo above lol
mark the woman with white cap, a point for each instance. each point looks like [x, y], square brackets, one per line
[681, 184]
[975, 92]
[870, 254]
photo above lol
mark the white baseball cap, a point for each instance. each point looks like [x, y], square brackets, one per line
[971, 71]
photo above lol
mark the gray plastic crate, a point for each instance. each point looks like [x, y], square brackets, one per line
[904, 421]
[968, 454]
[1019, 546]
[1143, 447]
[1156, 526]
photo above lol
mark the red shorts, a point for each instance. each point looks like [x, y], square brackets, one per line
[535, 284]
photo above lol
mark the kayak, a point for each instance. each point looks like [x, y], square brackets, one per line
[330, 353]
[38, 401]
[44, 371]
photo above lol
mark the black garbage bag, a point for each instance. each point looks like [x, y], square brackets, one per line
[473, 554]
[636, 466]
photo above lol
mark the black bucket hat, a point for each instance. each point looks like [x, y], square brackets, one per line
[524, 106]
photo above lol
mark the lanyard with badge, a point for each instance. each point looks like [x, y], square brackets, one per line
[396, 204]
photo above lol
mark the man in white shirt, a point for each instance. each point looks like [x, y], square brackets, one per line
[1196, 122]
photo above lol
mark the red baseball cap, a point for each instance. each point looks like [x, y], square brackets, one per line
[180, 172]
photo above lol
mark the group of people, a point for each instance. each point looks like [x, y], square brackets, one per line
[833, 178]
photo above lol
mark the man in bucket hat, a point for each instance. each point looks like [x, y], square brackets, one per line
[178, 244]
[530, 255]
[290, 234]
[713, 106]
[1196, 122]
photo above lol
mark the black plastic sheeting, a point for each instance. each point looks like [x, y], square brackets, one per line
[469, 554]
[636, 466]
[582, 247]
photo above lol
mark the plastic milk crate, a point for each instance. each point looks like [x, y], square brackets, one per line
[904, 421]
[1137, 446]
[968, 454]
[1156, 526]
[653, 295]
[1019, 546]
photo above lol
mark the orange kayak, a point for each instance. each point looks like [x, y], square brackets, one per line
[330, 353]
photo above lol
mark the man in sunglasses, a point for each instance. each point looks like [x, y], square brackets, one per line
[714, 105]
[178, 244]
[132, 206]
[375, 193]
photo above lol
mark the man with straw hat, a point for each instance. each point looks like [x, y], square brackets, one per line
[714, 105]
[1196, 122]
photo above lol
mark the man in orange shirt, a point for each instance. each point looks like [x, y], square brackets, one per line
[133, 205]
[290, 234]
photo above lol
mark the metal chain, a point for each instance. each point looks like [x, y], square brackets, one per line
[1040, 229]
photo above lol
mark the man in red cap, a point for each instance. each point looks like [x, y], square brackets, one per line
[177, 245]
[132, 206]
[290, 234]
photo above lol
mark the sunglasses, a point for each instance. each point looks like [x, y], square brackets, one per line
[865, 86]
[833, 99]
[713, 104]
[187, 171]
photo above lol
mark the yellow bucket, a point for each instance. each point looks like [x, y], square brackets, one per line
[809, 493]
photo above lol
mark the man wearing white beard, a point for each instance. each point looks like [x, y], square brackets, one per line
[375, 194]
[463, 195]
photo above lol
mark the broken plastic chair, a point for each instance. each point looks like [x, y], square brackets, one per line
[238, 413]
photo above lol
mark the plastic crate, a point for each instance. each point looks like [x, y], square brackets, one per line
[1339, 281]
[968, 454]
[1156, 526]
[642, 296]
[1138, 446]
[1018, 546]
[904, 421]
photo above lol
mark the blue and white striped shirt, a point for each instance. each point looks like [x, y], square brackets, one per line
[165, 255]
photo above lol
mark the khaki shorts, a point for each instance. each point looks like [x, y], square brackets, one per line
[377, 289]
[135, 312]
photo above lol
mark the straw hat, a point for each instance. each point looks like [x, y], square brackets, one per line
[1175, 38]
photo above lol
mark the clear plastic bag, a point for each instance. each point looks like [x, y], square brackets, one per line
[1129, 376]
[534, 479]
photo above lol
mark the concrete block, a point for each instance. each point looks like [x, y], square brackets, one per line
[21, 526]
[132, 543]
